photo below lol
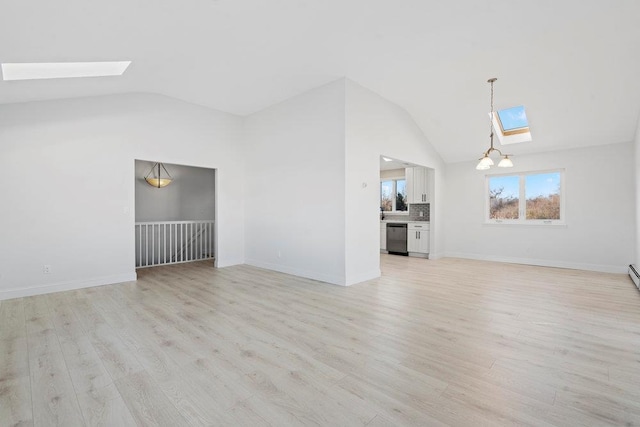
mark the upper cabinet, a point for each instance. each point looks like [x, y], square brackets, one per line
[417, 185]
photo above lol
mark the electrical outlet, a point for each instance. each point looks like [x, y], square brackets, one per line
[46, 269]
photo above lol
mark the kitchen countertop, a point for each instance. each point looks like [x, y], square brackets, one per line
[402, 221]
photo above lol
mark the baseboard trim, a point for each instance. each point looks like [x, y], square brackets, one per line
[67, 286]
[334, 280]
[364, 277]
[634, 275]
[228, 262]
[603, 268]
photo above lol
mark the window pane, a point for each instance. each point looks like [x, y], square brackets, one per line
[401, 196]
[386, 195]
[542, 192]
[503, 197]
[513, 118]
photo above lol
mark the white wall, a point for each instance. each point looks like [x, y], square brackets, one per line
[75, 160]
[393, 173]
[68, 173]
[636, 149]
[600, 203]
[313, 177]
[190, 197]
[294, 185]
[375, 126]
[297, 188]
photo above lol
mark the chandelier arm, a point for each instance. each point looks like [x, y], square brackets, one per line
[166, 171]
[157, 166]
[150, 171]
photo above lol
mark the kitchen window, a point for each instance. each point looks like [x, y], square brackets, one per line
[526, 198]
[393, 195]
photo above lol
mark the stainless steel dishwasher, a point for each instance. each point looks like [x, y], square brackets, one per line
[397, 238]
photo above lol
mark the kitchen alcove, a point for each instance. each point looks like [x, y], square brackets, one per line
[406, 197]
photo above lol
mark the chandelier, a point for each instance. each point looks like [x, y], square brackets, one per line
[485, 161]
[155, 178]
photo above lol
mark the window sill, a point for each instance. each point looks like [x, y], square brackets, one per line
[525, 225]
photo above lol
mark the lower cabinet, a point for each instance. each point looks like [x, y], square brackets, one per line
[418, 239]
[383, 236]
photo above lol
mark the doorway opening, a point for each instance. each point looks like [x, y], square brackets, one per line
[176, 223]
[406, 206]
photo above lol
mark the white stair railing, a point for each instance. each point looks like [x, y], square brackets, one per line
[173, 242]
[195, 236]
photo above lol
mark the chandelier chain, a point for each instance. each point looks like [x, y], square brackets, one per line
[485, 161]
[491, 112]
[492, 80]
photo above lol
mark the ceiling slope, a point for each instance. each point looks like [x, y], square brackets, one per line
[573, 64]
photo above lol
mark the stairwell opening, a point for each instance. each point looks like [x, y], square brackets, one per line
[176, 223]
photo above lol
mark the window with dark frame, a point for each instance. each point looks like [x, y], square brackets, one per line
[393, 195]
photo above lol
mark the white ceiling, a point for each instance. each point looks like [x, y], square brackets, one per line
[392, 164]
[574, 64]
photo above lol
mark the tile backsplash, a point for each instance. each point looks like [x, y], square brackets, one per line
[414, 213]
[419, 212]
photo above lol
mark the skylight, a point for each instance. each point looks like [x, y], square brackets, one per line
[60, 70]
[511, 125]
[513, 120]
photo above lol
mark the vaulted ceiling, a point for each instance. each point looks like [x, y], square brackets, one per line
[574, 64]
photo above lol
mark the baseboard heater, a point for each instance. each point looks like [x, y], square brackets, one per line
[633, 273]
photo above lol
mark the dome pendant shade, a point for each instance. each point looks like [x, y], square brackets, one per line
[155, 177]
[505, 163]
[485, 163]
[159, 183]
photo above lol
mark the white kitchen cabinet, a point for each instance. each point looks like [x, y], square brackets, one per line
[417, 180]
[408, 176]
[383, 236]
[418, 238]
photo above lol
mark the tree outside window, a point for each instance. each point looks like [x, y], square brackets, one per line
[542, 192]
[526, 198]
[393, 195]
[504, 201]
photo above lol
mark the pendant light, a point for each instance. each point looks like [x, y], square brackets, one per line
[485, 161]
[155, 179]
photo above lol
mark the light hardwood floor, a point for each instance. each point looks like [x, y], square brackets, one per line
[447, 342]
